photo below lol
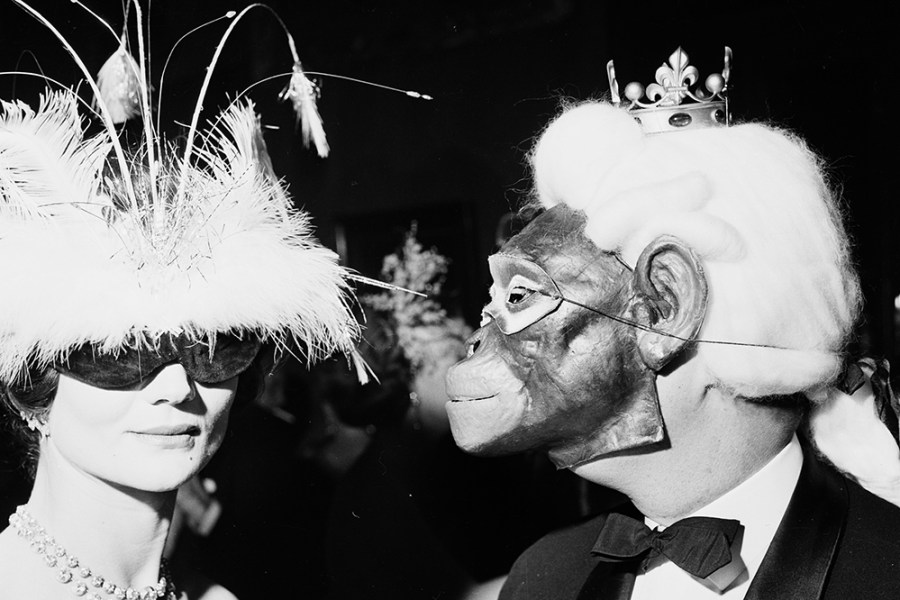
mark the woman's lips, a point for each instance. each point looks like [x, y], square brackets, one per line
[170, 430]
[169, 436]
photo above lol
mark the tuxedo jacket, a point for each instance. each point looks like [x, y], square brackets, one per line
[836, 541]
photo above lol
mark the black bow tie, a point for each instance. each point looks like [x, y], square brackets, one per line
[699, 545]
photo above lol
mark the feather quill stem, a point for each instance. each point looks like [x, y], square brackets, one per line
[162, 78]
[309, 114]
[192, 129]
[159, 214]
[383, 284]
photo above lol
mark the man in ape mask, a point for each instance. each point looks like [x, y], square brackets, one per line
[662, 328]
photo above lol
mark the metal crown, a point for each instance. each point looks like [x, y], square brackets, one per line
[675, 101]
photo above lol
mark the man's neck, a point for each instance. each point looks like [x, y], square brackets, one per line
[715, 442]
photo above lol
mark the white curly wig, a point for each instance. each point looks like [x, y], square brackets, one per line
[753, 203]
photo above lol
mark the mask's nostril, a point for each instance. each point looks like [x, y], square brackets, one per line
[473, 347]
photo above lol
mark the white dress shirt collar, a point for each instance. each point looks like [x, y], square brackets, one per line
[759, 503]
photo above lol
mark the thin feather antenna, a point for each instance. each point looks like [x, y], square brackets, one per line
[98, 17]
[159, 216]
[192, 129]
[383, 284]
[410, 93]
[246, 90]
[104, 110]
[143, 86]
[87, 105]
[162, 78]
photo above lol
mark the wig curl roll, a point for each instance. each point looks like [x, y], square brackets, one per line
[753, 203]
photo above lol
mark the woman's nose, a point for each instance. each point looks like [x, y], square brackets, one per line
[171, 385]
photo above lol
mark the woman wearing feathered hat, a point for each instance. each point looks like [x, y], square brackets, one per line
[144, 293]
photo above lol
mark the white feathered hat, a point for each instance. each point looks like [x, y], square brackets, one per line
[119, 249]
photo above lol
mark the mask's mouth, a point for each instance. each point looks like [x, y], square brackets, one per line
[475, 399]
[487, 423]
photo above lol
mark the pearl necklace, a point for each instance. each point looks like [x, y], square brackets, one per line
[70, 570]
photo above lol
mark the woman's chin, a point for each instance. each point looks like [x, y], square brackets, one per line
[161, 476]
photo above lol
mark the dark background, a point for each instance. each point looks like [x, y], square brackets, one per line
[497, 70]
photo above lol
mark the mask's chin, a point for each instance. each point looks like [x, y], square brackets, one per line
[636, 425]
[497, 424]
[487, 425]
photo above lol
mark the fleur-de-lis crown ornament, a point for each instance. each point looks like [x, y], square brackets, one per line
[676, 101]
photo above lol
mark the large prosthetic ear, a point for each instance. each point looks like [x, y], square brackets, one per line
[670, 299]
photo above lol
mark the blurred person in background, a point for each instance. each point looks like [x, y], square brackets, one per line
[413, 516]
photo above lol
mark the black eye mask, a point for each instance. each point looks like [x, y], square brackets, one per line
[230, 356]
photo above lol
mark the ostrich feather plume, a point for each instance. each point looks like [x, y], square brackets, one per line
[119, 247]
[216, 246]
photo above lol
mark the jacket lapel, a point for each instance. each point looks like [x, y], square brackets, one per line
[609, 581]
[798, 560]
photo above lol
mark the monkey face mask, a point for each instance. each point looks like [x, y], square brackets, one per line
[546, 371]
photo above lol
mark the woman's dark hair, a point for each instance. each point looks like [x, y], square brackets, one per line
[252, 381]
[28, 399]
